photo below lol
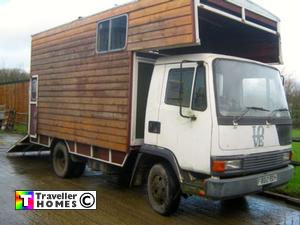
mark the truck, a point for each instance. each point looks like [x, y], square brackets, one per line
[180, 95]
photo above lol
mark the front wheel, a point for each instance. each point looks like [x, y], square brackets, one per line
[163, 189]
[62, 162]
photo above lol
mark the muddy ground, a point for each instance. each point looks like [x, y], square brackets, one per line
[119, 206]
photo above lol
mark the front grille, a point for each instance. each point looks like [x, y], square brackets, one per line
[253, 163]
[263, 161]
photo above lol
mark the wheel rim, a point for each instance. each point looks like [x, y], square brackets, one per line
[60, 160]
[159, 189]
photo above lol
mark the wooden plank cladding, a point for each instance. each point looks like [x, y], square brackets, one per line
[236, 10]
[83, 96]
[83, 149]
[261, 20]
[44, 140]
[97, 153]
[14, 96]
[90, 107]
[101, 153]
[159, 19]
[162, 26]
[224, 6]
[71, 146]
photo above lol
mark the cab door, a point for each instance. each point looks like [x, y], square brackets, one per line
[186, 134]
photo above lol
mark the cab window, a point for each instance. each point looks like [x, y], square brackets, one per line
[199, 101]
[193, 88]
[173, 87]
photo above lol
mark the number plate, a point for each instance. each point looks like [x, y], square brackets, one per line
[267, 179]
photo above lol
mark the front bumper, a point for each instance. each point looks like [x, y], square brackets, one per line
[239, 186]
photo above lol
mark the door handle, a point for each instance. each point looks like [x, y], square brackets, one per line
[154, 127]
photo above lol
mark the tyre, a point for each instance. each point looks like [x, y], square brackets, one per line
[163, 189]
[62, 163]
[78, 169]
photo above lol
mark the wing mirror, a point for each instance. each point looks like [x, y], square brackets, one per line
[192, 117]
[282, 80]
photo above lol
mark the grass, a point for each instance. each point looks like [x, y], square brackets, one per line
[296, 133]
[293, 187]
[18, 129]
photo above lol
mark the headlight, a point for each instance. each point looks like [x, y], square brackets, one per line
[226, 165]
[286, 156]
[233, 165]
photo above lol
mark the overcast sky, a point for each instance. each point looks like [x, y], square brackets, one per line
[22, 18]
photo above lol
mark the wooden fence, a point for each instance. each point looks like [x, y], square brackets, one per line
[15, 97]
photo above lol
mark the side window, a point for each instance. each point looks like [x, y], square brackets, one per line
[173, 87]
[111, 34]
[33, 89]
[199, 101]
[118, 32]
[103, 36]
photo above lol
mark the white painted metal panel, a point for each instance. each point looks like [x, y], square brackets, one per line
[189, 140]
[243, 137]
[154, 96]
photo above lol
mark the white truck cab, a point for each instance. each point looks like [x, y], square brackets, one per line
[224, 119]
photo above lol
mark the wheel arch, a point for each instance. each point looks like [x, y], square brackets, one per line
[54, 142]
[148, 156]
[74, 158]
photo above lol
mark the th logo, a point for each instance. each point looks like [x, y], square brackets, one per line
[258, 136]
[24, 200]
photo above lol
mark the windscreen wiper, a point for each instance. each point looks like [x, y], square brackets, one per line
[279, 110]
[271, 116]
[235, 121]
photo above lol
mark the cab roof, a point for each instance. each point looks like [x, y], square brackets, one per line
[199, 57]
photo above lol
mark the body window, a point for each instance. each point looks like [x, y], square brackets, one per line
[173, 87]
[112, 34]
[103, 36]
[33, 89]
[118, 32]
[199, 101]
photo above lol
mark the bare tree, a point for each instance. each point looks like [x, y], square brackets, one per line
[13, 75]
[293, 97]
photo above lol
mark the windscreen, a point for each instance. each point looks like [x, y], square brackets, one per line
[242, 85]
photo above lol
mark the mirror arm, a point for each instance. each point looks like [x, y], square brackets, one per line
[193, 117]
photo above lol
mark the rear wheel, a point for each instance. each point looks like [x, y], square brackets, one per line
[163, 189]
[62, 163]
